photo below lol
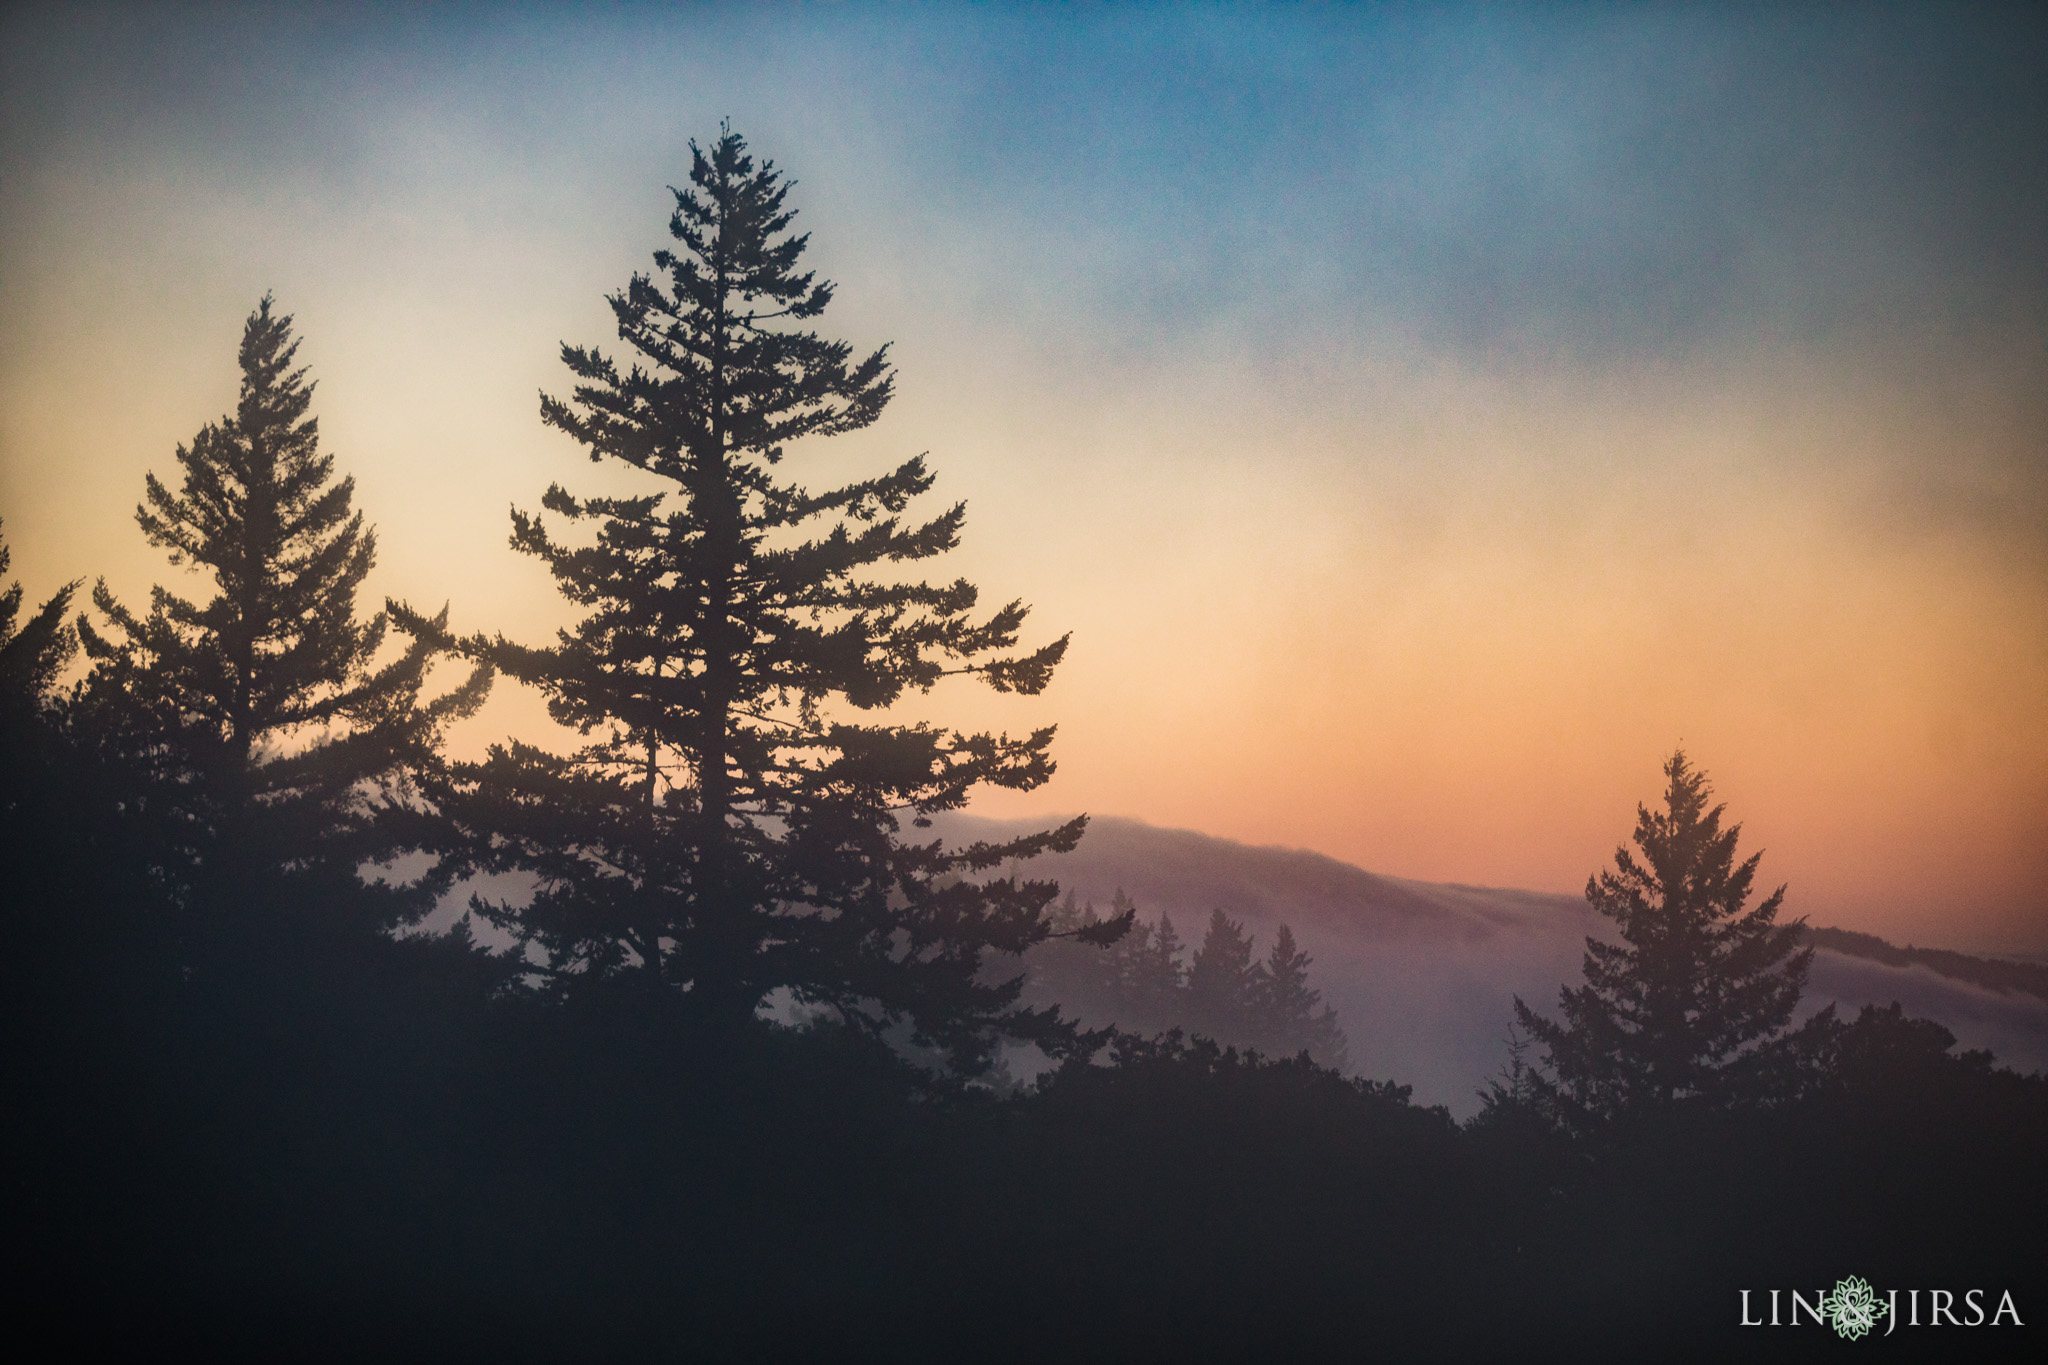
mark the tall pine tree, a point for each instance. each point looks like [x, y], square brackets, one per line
[1696, 1001]
[268, 743]
[735, 825]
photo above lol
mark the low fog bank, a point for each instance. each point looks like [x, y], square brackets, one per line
[1423, 975]
[2013, 1026]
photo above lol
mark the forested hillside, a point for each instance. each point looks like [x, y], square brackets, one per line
[771, 1051]
[1418, 974]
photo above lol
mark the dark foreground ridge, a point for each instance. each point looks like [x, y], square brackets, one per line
[363, 1156]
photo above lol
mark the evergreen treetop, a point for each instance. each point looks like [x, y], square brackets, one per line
[1289, 1016]
[31, 657]
[1223, 979]
[1158, 969]
[1144, 965]
[271, 737]
[278, 647]
[1696, 1001]
[733, 824]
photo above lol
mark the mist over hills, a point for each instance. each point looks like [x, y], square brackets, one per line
[1423, 974]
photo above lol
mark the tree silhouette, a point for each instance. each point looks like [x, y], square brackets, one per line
[265, 736]
[31, 657]
[732, 827]
[1224, 982]
[1146, 967]
[1285, 1010]
[1106, 970]
[1141, 986]
[1885, 1049]
[1697, 1000]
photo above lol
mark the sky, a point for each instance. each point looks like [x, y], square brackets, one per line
[1424, 418]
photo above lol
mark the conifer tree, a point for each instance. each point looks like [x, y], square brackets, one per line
[1291, 1017]
[1161, 978]
[1129, 985]
[1139, 986]
[268, 739]
[31, 657]
[1696, 1002]
[735, 824]
[1223, 982]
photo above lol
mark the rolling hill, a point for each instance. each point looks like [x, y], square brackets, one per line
[1423, 974]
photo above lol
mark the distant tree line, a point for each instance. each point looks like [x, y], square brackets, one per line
[1140, 984]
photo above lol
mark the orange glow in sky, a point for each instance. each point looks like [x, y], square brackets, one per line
[1345, 569]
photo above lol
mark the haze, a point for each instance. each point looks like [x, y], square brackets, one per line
[1423, 421]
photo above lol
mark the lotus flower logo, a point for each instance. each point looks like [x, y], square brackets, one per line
[1853, 1308]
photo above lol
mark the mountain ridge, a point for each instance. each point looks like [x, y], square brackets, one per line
[1489, 903]
[1423, 974]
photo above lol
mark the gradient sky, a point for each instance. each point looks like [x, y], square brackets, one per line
[1424, 418]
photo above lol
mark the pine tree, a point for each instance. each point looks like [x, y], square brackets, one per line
[1127, 962]
[1161, 979]
[31, 657]
[1128, 985]
[1513, 1094]
[1224, 983]
[268, 740]
[1289, 1020]
[1696, 1002]
[735, 825]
